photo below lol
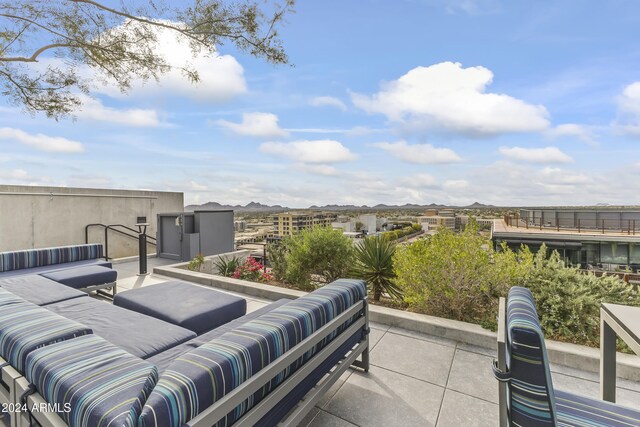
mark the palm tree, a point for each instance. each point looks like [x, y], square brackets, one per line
[374, 264]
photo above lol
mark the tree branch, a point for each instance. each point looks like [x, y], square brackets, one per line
[34, 57]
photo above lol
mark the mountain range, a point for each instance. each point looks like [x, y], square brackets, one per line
[259, 207]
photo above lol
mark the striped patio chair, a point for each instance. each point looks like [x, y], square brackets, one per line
[527, 396]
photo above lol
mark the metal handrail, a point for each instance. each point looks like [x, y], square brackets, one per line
[106, 235]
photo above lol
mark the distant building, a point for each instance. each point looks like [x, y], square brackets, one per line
[369, 223]
[239, 226]
[433, 222]
[288, 223]
[346, 226]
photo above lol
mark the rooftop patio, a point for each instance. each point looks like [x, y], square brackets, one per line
[415, 379]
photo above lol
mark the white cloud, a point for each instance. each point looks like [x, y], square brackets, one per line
[419, 153]
[42, 142]
[447, 97]
[319, 151]
[455, 184]
[629, 109]
[572, 129]
[261, 125]
[221, 76]
[328, 101]
[419, 180]
[317, 169]
[536, 155]
[94, 109]
[15, 174]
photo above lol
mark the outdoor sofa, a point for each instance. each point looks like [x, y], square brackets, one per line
[526, 393]
[253, 370]
[77, 266]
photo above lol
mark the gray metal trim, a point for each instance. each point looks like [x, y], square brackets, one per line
[311, 398]
[225, 405]
[502, 361]
[272, 399]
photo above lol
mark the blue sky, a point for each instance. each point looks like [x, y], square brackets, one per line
[407, 101]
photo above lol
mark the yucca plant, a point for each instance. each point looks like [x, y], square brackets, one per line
[374, 264]
[227, 266]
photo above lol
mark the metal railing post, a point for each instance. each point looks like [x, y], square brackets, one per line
[142, 248]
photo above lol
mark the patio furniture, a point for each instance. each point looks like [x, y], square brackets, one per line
[76, 372]
[189, 306]
[142, 336]
[25, 326]
[271, 369]
[527, 396]
[164, 359]
[86, 278]
[39, 290]
[623, 321]
[35, 261]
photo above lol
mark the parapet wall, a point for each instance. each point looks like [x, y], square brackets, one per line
[39, 217]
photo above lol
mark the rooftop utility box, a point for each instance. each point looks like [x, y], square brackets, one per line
[183, 235]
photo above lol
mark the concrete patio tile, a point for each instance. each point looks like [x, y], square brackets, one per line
[491, 352]
[384, 398]
[458, 409]
[334, 388]
[324, 419]
[593, 376]
[374, 337]
[309, 417]
[421, 336]
[416, 358]
[471, 374]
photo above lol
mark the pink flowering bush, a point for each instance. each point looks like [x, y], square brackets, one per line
[253, 271]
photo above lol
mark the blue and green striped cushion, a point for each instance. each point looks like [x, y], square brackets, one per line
[199, 378]
[30, 258]
[530, 389]
[579, 411]
[25, 327]
[100, 383]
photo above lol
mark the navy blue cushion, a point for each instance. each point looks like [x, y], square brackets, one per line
[530, 390]
[164, 359]
[192, 307]
[39, 290]
[102, 385]
[83, 277]
[140, 335]
[199, 378]
[54, 267]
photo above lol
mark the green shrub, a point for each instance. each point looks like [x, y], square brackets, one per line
[458, 276]
[568, 301]
[196, 263]
[227, 266]
[318, 254]
[277, 255]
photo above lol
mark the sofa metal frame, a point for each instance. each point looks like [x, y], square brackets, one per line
[100, 289]
[9, 377]
[222, 407]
